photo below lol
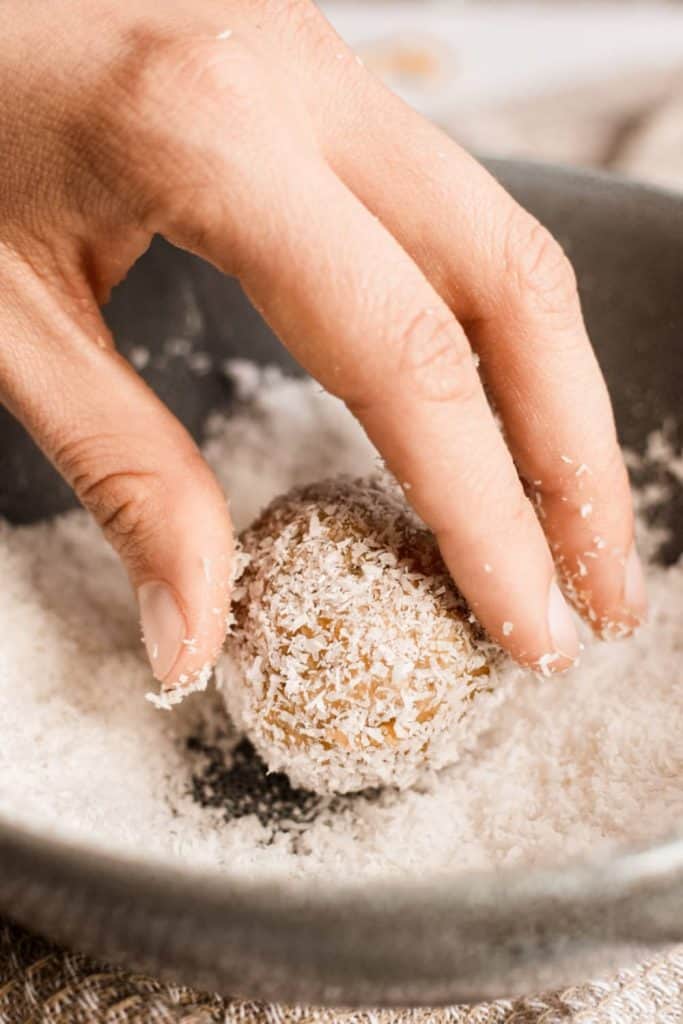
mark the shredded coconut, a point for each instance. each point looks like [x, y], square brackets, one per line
[565, 767]
[139, 356]
[178, 348]
[200, 363]
[187, 684]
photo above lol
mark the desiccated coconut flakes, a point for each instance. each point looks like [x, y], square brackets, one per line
[565, 768]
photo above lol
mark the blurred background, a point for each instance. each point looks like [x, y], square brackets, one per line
[595, 83]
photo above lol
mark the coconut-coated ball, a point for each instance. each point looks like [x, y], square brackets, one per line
[353, 661]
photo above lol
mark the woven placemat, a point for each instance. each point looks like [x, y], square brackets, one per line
[41, 984]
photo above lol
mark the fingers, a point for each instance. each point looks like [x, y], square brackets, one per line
[551, 394]
[360, 316]
[515, 292]
[132, 465]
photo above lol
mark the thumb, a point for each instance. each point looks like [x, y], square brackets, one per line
[134, 467]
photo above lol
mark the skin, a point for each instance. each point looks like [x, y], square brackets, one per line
[379, 251]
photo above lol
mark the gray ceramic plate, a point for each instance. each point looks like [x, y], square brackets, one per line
[447, 938]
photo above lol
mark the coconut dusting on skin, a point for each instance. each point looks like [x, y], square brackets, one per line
[564, 765]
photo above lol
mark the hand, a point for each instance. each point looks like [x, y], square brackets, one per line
[380, 253]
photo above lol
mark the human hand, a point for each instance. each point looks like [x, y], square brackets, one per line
[381, 254]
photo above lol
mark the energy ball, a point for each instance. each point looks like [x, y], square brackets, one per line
[353, 661]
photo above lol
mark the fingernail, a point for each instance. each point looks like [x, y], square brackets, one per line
[635, 593]
[560, 623]
[163, 627]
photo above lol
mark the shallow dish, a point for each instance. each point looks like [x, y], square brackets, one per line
[452, 937]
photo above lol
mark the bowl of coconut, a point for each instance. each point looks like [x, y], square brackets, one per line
[370, 804]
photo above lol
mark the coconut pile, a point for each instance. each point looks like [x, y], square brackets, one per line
[553, 769]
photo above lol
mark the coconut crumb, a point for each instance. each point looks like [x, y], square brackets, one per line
[177, 348]
[200, 363]
[187, 684]
[545, 663]
[139, 357]
[245, 376]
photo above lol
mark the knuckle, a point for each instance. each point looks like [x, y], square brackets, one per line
[176, 91]
[188, 73]
[540, 270]
[300, 17]
[436, 358]
[126, 503]
[124, 508]
[173, 91]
